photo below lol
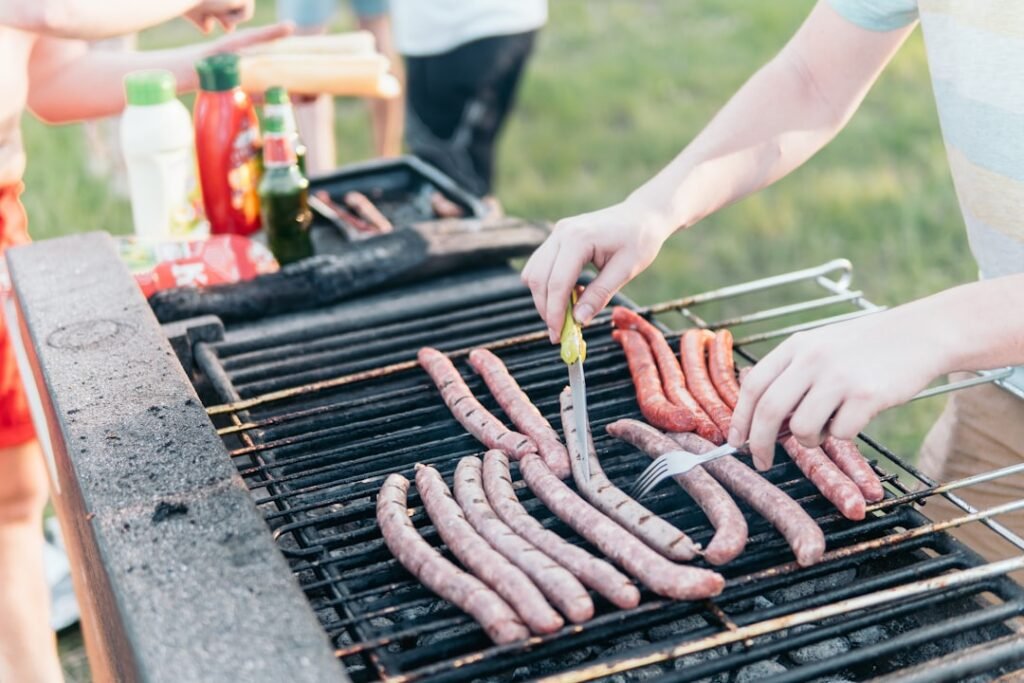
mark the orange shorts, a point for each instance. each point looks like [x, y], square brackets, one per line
[15, 421]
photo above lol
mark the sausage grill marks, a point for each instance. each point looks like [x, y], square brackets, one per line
[592, 571]
[520, 410]
[463, 590]
[848, 458]
[657, 533]
[730, 527]
[665, 578]
[561, 588]
[478, 556]
[467, 410]
[672, 379]
[693, 349]
[722, 368]
[799, 529]
[650, 395]
[828, 478]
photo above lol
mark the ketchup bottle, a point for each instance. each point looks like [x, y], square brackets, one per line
[227, 147]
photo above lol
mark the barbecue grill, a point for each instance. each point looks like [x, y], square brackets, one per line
[314, 409]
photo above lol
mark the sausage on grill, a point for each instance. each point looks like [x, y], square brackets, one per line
[467, 410]
[659, 534]
[654, 571]
[506, 579]
[560, 587]
[730, 527]
[523, 413]
[848, 458]
[593, 572]
[444, 207]
[722, 368]
[367, 210]
[672, 380]
[463, 590]
[798, 528]
[829, 479]
[693, 349]
[650, 395]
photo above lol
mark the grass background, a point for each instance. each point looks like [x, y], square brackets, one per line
[615, 89]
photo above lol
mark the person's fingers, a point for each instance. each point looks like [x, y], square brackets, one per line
[809, 420]
[565, 271]
[773, 407]
[602, 288]
[253, 36]
[753, 384]
[536, 274]
[851, 418]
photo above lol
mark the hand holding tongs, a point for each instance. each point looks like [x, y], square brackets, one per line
[574, 351]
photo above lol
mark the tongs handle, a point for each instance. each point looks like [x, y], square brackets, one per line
[573, 347]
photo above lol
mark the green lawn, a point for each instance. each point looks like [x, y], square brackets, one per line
[616, 88]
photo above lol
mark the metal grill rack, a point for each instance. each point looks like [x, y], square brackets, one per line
[318, 408]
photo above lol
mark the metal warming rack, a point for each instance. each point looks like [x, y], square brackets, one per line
[318, 408]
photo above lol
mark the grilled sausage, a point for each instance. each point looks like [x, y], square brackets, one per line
[465, 543]
[693, 349]
[672, 379]
[798, 528]
[614, 502]
[730, 527]
[361, 204]
[517, 405]
[649, 393]
[722, 368]
[444, 207]
[848, 458]
[593, 572]
[442, 577]
[829, 479]
[654, 571]
[467, 410]
[560, 587]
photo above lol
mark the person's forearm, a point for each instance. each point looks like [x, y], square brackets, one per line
[87, 20]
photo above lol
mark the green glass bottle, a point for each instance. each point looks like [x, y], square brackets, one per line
[277, 103]
[284, 195]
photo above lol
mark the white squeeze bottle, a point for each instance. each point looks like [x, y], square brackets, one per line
[156, 136]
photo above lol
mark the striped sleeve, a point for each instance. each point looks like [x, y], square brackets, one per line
[877, 15]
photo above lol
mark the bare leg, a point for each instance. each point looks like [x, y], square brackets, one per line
[387, 116]
[28, 649]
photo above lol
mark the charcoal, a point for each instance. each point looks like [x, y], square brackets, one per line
[165, 511]
[381, 623]
[677, 627]
[687, 661]
[868, 636]
[816, 652]
[759, 670]
[445, 634]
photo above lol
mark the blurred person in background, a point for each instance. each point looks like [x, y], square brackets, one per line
[49, 70]
[315, 117]
[837, 378]
[463, 62]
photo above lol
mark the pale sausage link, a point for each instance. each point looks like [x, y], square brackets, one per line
[463, 590]
[828, 478]
[467, 410]
[465, 543]
[523, 413]
[592, 571]
[659, 534]
[654, 571]
[722, 368]
[561, 587]
[672, 379]
[362, 205]
[693, 349]
[730, 527]
[654, 405]
[848, 458]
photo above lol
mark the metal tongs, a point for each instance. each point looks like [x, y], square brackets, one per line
[574, 352]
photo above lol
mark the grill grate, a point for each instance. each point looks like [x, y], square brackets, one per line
[315, 455]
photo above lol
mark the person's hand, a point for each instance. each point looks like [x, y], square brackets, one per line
[242, 39]
[846, 373]
[620, 241]
[228, 13]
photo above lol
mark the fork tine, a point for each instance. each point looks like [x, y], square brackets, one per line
[649, 478]
[649, 486]
[656, 465]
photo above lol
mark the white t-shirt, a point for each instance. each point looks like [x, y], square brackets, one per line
[430, 27]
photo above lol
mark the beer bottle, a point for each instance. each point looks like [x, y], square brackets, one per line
[277, 103]
[284, 195]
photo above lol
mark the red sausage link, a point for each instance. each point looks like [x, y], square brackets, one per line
[649, 393]
[722, 368]
[442, 577]
[476, 554]
[693, 348]
[467, 410]
[517, 405]
[828, 478]
[593, 572]
[848, 458]
[672, 379]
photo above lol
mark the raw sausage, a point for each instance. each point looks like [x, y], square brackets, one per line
[654, 571]
[361, 204]
[517, 405]
[474, 552]
[693, 349]
[848, 458]
[798, 528]
[828, 478]
[442, 577]
[444, 207]
[649, 393]
[614, 502]
[672, 379]
[560, 587]
[730, 527]
[467, 410]
[722, 368]
[593, 572]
